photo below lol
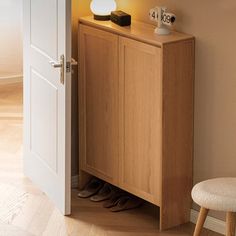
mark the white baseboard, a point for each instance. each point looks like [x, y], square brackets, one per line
[75, 181]
[211, 223]
[11, 79]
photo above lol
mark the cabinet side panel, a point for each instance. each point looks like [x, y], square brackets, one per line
[140, 127]
[99, 102]
[178, 84]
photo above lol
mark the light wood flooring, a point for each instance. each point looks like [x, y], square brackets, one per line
[11, 100]
[36, 215]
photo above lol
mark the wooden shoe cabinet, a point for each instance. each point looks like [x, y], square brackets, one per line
[136, 113]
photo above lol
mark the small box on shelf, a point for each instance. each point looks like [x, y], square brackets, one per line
[121, 18]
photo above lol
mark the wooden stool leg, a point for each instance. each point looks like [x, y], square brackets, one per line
[200, 221]
[230, 223]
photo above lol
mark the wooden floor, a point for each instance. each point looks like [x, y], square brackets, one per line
[11, 100]
[36, 215]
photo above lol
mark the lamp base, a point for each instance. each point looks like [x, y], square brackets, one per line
[102, 18]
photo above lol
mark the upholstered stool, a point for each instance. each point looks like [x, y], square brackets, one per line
[216, 194]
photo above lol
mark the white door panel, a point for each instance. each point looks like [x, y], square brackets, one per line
[44, 22]
[47, 101]
[44, 122]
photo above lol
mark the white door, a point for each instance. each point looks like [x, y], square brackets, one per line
[47, 97]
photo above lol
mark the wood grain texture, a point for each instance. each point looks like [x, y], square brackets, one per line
[230, 223]
[139, 31]
[200, 221]
[155, 123]
[140, 119]
[11, 101]
[177, 162]
[99, 102]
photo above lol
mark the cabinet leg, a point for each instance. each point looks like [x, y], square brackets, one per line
[200, 222]
[230, 223]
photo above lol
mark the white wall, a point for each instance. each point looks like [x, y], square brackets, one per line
[10, 38]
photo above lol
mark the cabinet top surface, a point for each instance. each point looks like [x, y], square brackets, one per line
[137, 30]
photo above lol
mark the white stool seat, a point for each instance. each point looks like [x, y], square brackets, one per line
[216, 194]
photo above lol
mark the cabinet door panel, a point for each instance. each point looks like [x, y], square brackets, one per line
[99, 103]
[140, 119]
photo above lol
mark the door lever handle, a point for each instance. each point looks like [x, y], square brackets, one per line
[74, 62]
[55, 64]
[60, 65]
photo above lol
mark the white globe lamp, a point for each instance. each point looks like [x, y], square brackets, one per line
[102, 9]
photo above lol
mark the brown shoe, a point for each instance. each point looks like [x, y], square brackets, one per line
[91, 188]
[114, 198]
[127, 203]
[103, 194]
